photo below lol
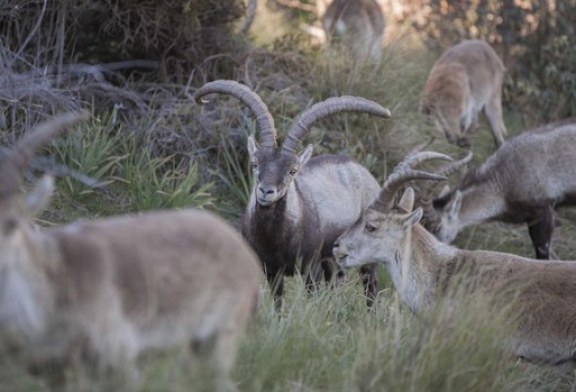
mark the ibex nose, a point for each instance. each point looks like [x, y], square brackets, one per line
[266, 190]
[337, 251]
[266, 194]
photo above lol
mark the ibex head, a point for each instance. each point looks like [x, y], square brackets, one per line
[17, 209]
[275, 168]
[380, 235]
[441, 213]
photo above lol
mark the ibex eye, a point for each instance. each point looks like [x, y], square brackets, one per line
[253, 165]
[293, 172]
[369, 228]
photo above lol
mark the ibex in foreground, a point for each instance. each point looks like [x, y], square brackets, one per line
[523, 181]
[298, 205]
[110, 289]
[357, 25]
[541, 293]
[466, 80]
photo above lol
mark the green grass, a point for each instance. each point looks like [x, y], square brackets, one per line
[327, 341]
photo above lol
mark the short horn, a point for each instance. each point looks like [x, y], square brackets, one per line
[18, 159]
[323, 109]
[264, 120]
[431, 218]
[453, 167]
[404, 172]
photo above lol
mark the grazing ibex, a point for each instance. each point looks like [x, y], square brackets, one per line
[357, 24]
[523, 181]
[109, 289]
[541, 294]
[465, 80]
[299, 206]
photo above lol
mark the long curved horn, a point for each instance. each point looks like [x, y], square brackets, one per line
[249, 98]
[430, 217]
[18, 159]
[404, 172]
[323, 109]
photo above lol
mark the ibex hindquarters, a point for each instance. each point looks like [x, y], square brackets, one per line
[466, 80]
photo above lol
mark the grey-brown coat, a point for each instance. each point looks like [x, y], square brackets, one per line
[113, 288]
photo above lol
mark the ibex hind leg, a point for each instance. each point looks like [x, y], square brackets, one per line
[493, 113]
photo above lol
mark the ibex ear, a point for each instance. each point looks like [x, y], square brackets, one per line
[454, 205]
[305, 155]
[445, 191]
[252, 146]
[413, 218]
[407, 200]
[37, 199]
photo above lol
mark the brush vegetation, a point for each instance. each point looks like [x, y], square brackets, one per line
[149, 147]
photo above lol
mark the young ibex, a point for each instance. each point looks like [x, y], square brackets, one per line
[523, 181]
[110, 289]
[540, 293]
[299, 206]
[357, 24]
[465, 80]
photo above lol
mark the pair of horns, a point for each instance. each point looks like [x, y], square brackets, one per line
[19, 158]
[430, 215]
[404, 172]
[301, 125]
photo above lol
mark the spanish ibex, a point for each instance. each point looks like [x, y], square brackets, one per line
[465, 80]
[541, 294]
[356, 24]
[298, 206]
[109, 289]
[523, 181]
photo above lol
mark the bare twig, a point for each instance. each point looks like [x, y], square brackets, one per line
[34, 29]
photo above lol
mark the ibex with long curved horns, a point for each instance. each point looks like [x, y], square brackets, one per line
[110, 289]
[522, 182]
[541, 294]
[298, 205]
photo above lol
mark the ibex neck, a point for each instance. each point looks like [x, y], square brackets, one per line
[415, 275]
[480, 203]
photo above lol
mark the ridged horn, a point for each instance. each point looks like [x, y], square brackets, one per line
[453, 167]
[264, 120]
[431, 218]
[323, 109]
[18, 159]
[404, 172]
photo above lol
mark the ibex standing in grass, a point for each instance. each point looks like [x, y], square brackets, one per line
[110, 289]
[522, 182]
[357, 25]
[542, 294]
[466, 80]
[298, 205]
